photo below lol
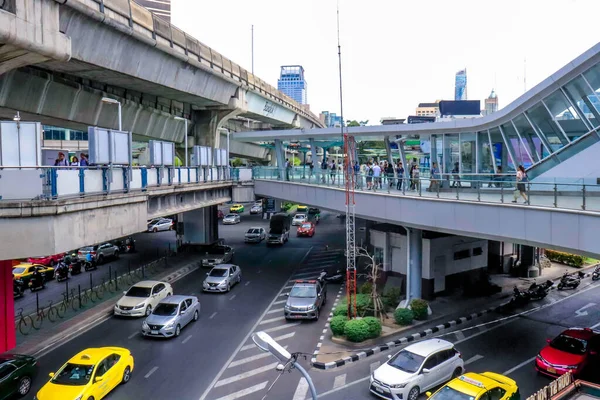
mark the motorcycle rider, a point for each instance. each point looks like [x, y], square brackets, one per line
[36, 279]
[89, 260]
[62, 269]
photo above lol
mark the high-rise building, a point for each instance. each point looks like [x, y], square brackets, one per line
[161, 8]
[460, 85]
[291, 82]
[491, 104]
[428, 109]
[331, 119]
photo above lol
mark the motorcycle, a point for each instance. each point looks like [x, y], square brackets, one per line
[596, 273]
[36, 283]
[18, 288]
[62, 273]
[90, 265]
[538, 292]
[570, 281]
[338, 277]
[129, 245]
[75, 267]
[520, 298]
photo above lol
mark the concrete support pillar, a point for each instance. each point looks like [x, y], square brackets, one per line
[313, 152]
[404, 161]
[415, 263]
[206, 124]
[7, 308]
[388, 151]
[280, 153]
[200, 226]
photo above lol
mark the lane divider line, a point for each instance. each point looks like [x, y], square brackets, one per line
[153, 370]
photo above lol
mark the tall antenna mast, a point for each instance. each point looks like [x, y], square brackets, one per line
[349, 155]
[524, 74]
[252, 47]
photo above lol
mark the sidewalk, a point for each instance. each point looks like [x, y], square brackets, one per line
[447, 310]
[38, 342]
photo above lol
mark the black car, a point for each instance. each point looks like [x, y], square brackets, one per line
[16, 374]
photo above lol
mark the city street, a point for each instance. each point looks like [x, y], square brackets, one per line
[188, 366]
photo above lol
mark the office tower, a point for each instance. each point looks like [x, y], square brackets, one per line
[491, 103]
[291, 82]
[460, 85]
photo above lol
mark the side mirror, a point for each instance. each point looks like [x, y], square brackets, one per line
[548, 340]
[207, 274]
[182, 312]
[389, 356]
[426, 370]
[51, 374]
[98, 379]
[428, 394]
[125, 292]
[287, 295]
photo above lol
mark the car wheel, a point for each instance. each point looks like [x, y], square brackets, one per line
[24, 386]
[171, 227]
[100, 260]
[414, 393]
[116, 254]
[155, 230]
[148, 310]
[228, 287]
[239, 278]
[169, 294]
[91, 398]
[195, 315]
[177, 330]
[317, 314]
[457, 372]
[52, 263]
[126, 375]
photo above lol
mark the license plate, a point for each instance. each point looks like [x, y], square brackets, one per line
[124, 312]
[551, 370]
[154, 332]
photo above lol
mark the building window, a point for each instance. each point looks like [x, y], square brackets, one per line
[54, 134]
[378, 256]
[477, 251]
[462, 254]
[78, 135]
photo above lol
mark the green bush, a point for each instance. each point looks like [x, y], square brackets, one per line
[363, 305]
[337, 325]
[391, 297]
[420, 309]
[404, 316]
[366, 288]
[374, 326]
[356, 330]
[573, 260]
[341, 310]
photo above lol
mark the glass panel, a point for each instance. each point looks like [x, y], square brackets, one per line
[501, 152]
[451, 149]
[536, 149]
[585, 98]
[520, 152]
[566, 116]
[486, 165]
[467, 153]
[543, 121]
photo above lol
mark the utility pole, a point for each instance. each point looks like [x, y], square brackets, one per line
[252, 47]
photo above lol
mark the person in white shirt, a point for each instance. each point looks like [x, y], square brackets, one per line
[376, 176]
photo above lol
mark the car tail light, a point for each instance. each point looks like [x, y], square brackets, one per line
[93, 253]
[459, 354]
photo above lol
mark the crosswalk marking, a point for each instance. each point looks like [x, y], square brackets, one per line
[280, 301]
[268, 321]
[301, 390]
[459, 335]
[277, 339]
[339, 381]
[304, 273]
[274, 310]
[278, 328]
[248, 374]
[473, 359]
[374, 366]
[244, 392]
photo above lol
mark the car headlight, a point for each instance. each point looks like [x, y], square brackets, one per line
[141, 305]
[398, 386]
[169, 325]
[204, 284]
[219, 261]
[287, 308]
[312, 308]
[222, 283]
[145, 325]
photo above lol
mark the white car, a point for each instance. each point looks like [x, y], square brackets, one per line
[142, 298]
[255, 235]
[416, 369]
[299, 219]
[221, 278]
[160, 224]
[256, 209]
[231, 219]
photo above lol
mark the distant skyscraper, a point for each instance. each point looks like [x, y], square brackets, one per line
[491, 103]
[291, 82]
[158, 7]
[460, 85]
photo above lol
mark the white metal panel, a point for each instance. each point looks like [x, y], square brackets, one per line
[136, 179]
[152, 177]
[92, 181]
[117, 184]
[26, 184]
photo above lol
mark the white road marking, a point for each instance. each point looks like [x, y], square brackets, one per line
[281, 294]
[277, 339]
[274, 311]
[473, 359]
[212, 315]
[344, 387]
[301, 390]
[244, 392]
[268, 321]
[595, 326]
[513, 369]
[232, 297]
[278, 328]
[459, 335]
[249, 359]
[248, 374]
[186, 339]
[303, 274]
[481, 333]
[374, 366]
[339, 381]
[247, 283]
[280, 301]
[153, 370]
[581, 312]
[134, 334]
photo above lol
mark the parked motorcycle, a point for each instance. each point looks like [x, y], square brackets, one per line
[36, 283]
[570, 281]
[596, 273]
[127, 245]
[338, 277]
[18, 288]
[520, 297]
[538, 292]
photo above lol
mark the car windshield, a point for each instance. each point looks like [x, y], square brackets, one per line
[304, 291]
[306, 226]
[300, 216]
[73, 374]
[137, 291]
[447, 393]
[165, 310]
[253, 231]
[86, 249]
[219, 273]
[18, 270]
[569, 344]
[230, 216]
[406, 361]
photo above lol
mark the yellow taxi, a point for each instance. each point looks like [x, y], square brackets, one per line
[472, 386]
[302, 208]
[236, 208]
[90, 374]
[25, 270]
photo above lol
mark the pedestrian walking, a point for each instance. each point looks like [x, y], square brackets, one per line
[521, 181]
[324, 170]
[288, 167]
[456, 176]
[400, 175]
[332, 171]
[435, 178]
[376, 176]
[83, 160]
[369, 174]
[61, 160]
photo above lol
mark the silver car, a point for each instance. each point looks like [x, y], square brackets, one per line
[255, 235]
[221, 278]
[160, 224]
[231, 219]
[99, 253]
[171, 315]
[256, 209]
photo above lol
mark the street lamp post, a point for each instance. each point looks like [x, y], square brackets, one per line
[108, 100]
[185, 138]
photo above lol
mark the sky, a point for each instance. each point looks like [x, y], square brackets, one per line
[397, 53]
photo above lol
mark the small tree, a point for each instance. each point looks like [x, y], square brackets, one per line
[372, 276]
[236, 162]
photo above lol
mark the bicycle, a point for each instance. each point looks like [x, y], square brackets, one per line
[97, 292]
[66, 303]
[52, 312]
[25, 323]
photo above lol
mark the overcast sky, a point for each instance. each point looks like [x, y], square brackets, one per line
[397, 53]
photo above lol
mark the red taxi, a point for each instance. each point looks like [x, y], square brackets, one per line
[306, 229]
[571, 351]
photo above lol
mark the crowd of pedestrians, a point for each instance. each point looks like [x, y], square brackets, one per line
[63, 161]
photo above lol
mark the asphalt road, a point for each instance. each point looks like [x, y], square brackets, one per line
[149, 247]
[507, 347]
[185, 367]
